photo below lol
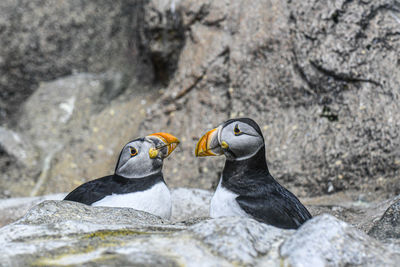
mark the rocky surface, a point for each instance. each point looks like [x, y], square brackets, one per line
[187, 205]
[79, 79]
[45, 40]
[388, 226]
[70, 141]
[327, 241]
[66, 233]
[321, 79]
[12, 209]
[329, 109]
[72, 82]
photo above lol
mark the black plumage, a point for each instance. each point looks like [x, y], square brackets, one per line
[260, 195]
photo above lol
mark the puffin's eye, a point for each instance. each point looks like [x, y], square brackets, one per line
[133, 151]
[237, 130]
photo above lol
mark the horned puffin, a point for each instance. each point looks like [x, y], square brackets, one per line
[246, 188]
[137, 181]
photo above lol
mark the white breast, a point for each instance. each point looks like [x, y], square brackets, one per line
[224, 203]
[156, 200]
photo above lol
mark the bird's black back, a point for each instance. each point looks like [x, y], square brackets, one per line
[260, 195]
[95, 190]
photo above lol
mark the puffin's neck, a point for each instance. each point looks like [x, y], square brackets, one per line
[152, 178]
[237, 169]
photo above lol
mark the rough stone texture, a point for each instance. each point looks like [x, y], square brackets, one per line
[12, 209]
[74, 86]
[188, 203]
[78, 78]
[67, 233]
[191, 205]
[44, 40]
[321, 79]
[85, 119]
[240, 240]
[18, 148]
[327, 241]
[389, 224]
[358, 210]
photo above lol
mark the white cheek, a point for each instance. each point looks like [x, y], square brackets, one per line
[140, 166]
[244, 146]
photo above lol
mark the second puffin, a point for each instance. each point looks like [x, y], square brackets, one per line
[137, 182]
[246, 187]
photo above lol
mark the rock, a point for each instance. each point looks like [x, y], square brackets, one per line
[85, 120]
[162, 38]
[349, 207]
[193, 64]
[44, 40]
[65, 105]
[327, 241]
[14, 208]
[53, 212]
[335, 101]
[68, 233]
[61, 65]
[60, 221]
[389, 224]
[189, 203]
[240, 240]
[18, 148]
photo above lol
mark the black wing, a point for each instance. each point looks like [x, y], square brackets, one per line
[276, 206]
[92, 191]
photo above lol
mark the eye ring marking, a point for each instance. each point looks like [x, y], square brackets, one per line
[133, 151]
[236, 130]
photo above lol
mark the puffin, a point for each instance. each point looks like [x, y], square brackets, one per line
[137, 181]
[246, 187]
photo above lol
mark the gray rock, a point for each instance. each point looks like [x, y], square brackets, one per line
[65, 105]
[18, 148]
[389, 224]
[240, 240]
[80, 115]
[349, 207]
[163, 37]
[321, 79]
[79, 234]
[327, 241]
[54, 228]
[14, 208]
[335, 101]
[68, 233]
[53, 212]
[189, 203]
[44, 40]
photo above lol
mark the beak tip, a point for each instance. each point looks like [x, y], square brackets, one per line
[203, 145]
[171, 141]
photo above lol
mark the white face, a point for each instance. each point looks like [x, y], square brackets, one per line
[135, 161]
[242, 139]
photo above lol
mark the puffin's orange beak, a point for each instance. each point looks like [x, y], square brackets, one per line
[207, 143]
[170, 141]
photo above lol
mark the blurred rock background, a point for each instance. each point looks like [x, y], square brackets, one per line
[79, 79]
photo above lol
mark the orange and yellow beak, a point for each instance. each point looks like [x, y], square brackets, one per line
[170, 141]
[208, 144]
